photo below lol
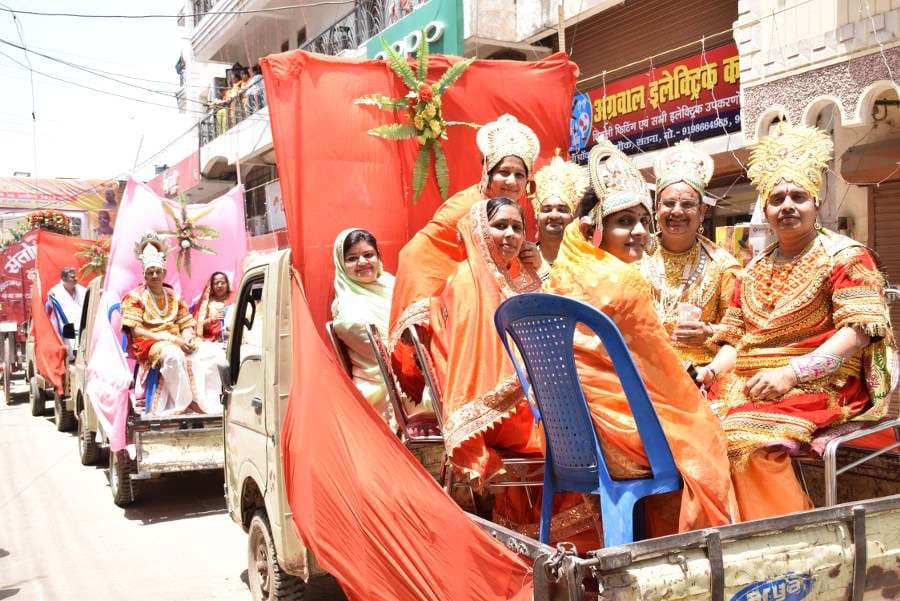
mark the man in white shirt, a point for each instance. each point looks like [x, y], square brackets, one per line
[67, 298]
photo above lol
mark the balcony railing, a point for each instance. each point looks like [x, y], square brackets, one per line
[200, 7]
[221, 118]
[347, 33]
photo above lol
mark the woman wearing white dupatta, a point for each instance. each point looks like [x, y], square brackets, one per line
[363, 293]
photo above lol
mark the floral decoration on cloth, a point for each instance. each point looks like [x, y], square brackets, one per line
[423, 108]
[52, 221]
[96, 255]
[189, 235]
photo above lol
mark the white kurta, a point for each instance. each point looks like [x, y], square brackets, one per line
[71, 306]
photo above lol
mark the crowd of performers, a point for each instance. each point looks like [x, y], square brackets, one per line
[796, 342]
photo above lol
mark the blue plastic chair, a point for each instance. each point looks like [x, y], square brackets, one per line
[543, 327]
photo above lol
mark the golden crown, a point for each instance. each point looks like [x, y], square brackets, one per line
[618, 183]
[507, 137]
[683, 162]
[796, 154]
[560, 179]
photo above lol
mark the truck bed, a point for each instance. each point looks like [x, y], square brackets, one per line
[809, 555]
[177, 443]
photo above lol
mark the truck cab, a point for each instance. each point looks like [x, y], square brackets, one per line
[257, 382]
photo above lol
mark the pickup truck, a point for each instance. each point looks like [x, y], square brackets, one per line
[257, 381]
[157, 445]
[845, 552]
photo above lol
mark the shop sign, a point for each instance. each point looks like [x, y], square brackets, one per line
[439, 20]
[697, 97]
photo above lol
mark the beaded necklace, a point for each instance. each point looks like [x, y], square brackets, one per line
[778, 282]
[675, 277]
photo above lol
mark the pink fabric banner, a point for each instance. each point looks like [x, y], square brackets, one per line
[141, 211]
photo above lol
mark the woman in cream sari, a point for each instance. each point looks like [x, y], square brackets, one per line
[594, 266]
[486, 416]
[362, 295]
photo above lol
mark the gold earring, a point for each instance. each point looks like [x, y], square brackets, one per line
[700, 231]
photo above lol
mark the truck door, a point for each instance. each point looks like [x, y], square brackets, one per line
[245, 419]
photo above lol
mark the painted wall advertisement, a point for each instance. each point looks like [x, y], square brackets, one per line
[697, 97]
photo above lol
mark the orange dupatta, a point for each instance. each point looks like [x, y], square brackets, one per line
[427, 260]
[587, 273]
[478, 382]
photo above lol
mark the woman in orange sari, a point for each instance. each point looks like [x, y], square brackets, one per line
[594, 265]
[509, 149]
[485, 414]
[807, 337]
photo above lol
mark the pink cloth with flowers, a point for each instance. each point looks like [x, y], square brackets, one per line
[141, 210]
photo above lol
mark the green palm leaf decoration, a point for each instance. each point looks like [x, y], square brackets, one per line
[422, 106]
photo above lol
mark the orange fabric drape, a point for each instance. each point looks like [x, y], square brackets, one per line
[372, 515]
[587, 273]
[479, 385]
[334, 175]
[54, 253]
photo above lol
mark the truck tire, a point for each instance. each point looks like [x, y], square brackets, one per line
[36, 398]
[65, 419]
[88, 449]
[268, 582]
[124, 490]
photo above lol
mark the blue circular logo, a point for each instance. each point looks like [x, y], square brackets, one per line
[580, 123]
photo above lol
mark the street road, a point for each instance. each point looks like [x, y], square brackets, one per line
[62, 538]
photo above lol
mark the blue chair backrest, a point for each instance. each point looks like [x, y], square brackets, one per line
[543, 327]
[109, 315]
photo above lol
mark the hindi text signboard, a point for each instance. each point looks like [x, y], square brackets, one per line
[697, 97]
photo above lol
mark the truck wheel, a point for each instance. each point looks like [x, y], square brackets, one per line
[88, 449]
[65, 419]
[268, 582]
[124, 490]
[36, 398]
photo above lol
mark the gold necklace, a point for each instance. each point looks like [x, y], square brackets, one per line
[159, 312]
[676, 264]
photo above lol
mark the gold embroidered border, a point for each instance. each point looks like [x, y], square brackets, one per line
[418, 313]
[564, 524]
[481, 413]
[749, 431]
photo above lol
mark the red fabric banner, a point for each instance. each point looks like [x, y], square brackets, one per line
[54, 253]
[16, 273]
[336, 176]
[375, 519]
[372, 515]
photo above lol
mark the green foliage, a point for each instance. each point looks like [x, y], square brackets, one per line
[422, 58]
[381, 101]
[451, 75]
[399, 66]
[394, 131]
[420, 169]
[441, 171]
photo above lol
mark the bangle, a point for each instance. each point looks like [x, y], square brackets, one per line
[815, 365]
